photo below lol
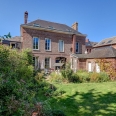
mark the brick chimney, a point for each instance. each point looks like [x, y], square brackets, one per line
[25, 17]
[86, 40]
[75, 26]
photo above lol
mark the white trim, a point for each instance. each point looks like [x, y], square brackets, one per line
[45, 44]
[59, 45]
[38, 43]
[89, 67]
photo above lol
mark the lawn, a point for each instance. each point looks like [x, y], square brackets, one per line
[85, 99]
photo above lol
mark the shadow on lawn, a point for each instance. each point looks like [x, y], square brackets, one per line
[91, 103]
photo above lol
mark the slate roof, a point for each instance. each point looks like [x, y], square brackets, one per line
[107, 41]
[13, 39]
[103, 52]
[52, 26]
[90, 43]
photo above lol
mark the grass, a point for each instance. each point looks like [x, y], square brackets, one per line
[85, 99]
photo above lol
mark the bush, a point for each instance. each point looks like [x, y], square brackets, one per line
[16, 81]
[83, 76]
[99, 77]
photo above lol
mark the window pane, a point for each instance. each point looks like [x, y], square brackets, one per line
[77, 47]
[35, 43]
[61, 45]
[47, 44]
[47, 63]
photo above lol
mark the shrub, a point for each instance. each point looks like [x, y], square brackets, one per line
[99, 77]
[83, 76]
[54, 77]
[16, 81]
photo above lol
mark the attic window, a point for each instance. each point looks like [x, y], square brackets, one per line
[50, 27]
[68, 30]
[109, 41]
[36, 25]
[102, 42]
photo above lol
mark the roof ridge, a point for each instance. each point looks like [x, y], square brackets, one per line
[47, 21]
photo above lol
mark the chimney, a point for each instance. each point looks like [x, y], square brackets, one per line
[25, 17]
[75, 26]
[87, 40]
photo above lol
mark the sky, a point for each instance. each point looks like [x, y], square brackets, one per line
[96, 18]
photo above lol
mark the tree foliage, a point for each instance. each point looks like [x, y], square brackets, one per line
[16, 82]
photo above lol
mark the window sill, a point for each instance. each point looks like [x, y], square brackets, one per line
[61, 52]
[48, 50]
[36, 50]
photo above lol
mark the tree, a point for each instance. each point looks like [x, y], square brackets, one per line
[6, 36]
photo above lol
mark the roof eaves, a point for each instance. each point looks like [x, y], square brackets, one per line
[53, 30]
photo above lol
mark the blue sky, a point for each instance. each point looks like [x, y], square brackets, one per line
[96, 18]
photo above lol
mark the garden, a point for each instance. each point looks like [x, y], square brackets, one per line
[24, 91]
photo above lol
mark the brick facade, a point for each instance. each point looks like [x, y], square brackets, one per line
[28, 35]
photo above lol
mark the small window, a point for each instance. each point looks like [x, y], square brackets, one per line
[77, 47]
[35, 62]
[13, 45]
[36, 43]
[48, 44]
[47, 63]
[109, 41]
[61, 46]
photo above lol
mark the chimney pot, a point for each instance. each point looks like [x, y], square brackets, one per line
[25, 17]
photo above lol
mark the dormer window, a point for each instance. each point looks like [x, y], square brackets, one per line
[36, 25]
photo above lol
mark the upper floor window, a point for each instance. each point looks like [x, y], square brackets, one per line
[35, 43]
[61, 46]
[47, 44]
[77, 47]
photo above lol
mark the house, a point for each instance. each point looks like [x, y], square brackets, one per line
[14, 42]
[106, 49]
[89, 46]
[51, 43]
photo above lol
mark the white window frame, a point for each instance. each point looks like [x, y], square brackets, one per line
[38, 43]
[49, 46]
[49, 63]
[59, 45]
[36, 63]
[76, 47]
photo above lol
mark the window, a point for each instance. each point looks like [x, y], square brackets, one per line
[35, 43]
[35, 62]
[61, 46]
[47, 44]
[47, 63]
[77, 47]
[13, 45]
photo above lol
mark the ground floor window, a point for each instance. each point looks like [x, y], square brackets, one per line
[47, 63]
[35, 62]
